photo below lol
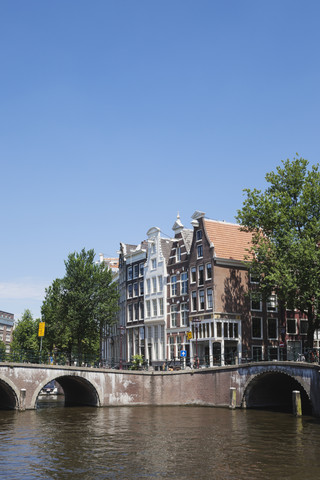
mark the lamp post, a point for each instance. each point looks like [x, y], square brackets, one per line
[196, 322]
[121, 329]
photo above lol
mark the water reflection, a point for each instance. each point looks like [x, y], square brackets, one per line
[157, 443]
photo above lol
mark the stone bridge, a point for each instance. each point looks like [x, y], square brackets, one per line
[257, 385]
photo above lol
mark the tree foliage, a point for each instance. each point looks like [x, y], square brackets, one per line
[78, 307]
[285, 222]
[25, 340]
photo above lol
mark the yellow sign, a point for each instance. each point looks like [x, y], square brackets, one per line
[41, 329]
[189, 335]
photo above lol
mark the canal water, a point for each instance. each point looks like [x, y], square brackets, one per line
[182, 443]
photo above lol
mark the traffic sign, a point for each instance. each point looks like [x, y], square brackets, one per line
[189, 335]
[183, 353]
[41, 329]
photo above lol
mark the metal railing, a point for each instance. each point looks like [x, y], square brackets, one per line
[176, 363]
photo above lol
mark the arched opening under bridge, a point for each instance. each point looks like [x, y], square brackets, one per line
[273, 391]
[76, 391]
[8, 398]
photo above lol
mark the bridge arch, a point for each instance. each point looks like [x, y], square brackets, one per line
[77, 390]
[273, 390]
[9, 395]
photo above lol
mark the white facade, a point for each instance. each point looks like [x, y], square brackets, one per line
[155, 295]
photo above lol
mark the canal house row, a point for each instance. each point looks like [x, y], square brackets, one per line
[190, 295]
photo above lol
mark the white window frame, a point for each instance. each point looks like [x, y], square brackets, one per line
[209, 303]
[207, 267]
[259, 298]
[261, 328]
[184, 283]
[174, 285]
[277, 328]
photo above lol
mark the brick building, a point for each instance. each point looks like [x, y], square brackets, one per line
[6, 328]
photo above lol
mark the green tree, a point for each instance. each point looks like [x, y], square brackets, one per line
[25, 342]
[2, 351]
[285, 223]
[78, 307]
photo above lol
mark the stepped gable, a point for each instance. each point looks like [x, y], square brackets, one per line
[229, 240]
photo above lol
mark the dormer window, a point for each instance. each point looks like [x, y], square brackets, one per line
[198, 235]
[178, 254]
[153, 264]
[200, 251]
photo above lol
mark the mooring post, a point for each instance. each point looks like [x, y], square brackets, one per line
[296, 403]
[22, 402]
[233, 397]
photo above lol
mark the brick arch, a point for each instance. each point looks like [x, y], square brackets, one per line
[273, 388]
[9, 394]
[77, 389]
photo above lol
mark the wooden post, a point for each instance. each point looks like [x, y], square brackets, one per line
[296, 403]
[22, 403]
[233, 398]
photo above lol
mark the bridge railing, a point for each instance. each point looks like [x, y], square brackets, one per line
[175, 363]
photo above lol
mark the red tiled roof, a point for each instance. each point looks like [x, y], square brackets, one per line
[228, 240]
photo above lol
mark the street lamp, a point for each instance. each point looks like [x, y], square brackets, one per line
[196, 322]
[122, 329]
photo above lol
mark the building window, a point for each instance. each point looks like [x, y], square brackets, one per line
[256, 327]
[209, 298]
[130, 312]
[153, 248]
[219, 329]
[184, 314]
[200, 275]
[130, 290]
[200, 251]
[160, 306]
[273, 328]
[141, 269]
[136, 311]
[135, 289]
[154, 284]
[141, 288]
[141, 311]
[160, 283]
[154, 308]
[148, 308]
[208, 271]
[291, 326]
[173, 315]
[201, 300]
[173, 285]
[199, 235]
[256, 353]
[136, 271]
[194, 300]
[303, 327]
[193, 274]
[254, 278]
[272, 353]
[129, 273]
[184, 283]
[272, 305]
[178, 254]
[153, 264]
[179, 344]
[148, 285]
[256, 303]
[171, 347]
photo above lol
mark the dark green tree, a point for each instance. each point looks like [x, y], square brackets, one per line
[2, 351]
[78, 307]
[25, 341]
[285, 223]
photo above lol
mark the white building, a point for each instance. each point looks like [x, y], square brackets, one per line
[155, 296]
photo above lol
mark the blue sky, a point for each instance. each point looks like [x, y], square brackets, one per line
[115, 115]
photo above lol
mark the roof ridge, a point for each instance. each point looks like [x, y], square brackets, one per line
[223, 222]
